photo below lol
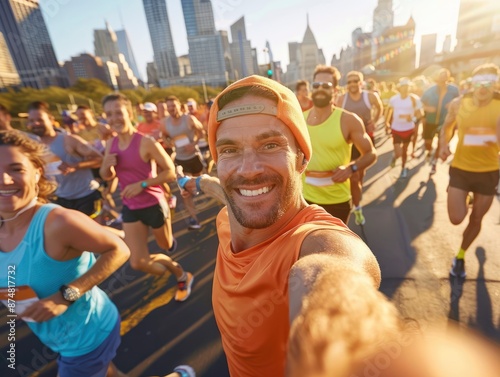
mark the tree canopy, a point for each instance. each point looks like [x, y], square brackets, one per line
[89, 92]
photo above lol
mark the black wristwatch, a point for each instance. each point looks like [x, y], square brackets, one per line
[354, 168]
[70, 294]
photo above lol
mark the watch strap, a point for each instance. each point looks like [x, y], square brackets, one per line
[182, 182]
[198, 187]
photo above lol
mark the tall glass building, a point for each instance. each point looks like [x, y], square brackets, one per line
[205, 46]
[126, 49]
[161, 38]
[28, 40]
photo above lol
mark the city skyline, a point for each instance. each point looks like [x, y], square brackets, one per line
[286, 22]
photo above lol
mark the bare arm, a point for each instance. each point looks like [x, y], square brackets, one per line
[208, 184]
[68, 234]
[79, 147]
[448, 129]
[327, 251]
[353, 131]
[419, 112]
[498, 135]
[164, 133]
[342, 321]
[197, 127]
[107, 170]
[337, 314]
[157, 153]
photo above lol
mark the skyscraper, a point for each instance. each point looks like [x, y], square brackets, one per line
[427, 49]
[161, 38]
[106, 47]
[106, 42]
[125, 48]
[8, 72]
[28, 40]
[205, 46]
[241, 50]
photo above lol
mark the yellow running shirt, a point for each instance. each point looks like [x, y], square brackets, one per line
[330, 150]
[475, 126]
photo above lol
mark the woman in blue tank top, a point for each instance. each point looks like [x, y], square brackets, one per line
[46, 277]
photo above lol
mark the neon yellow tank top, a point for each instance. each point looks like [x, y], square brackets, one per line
[330, 150]
[475, 125]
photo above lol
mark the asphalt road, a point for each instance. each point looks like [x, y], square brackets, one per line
[407, 228]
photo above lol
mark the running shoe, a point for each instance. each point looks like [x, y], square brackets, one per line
[359, 219]
[458, 268]
[393, 162]
[173, 247]
[185, 371]
[404, 173]
[193, 224]
[184, 288]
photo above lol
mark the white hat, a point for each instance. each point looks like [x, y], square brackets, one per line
[149, 106]
[404, 81]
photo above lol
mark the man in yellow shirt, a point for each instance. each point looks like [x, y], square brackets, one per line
[474, 168]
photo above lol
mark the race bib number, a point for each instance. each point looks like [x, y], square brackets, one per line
[479, 136]
[181, 141]
[319, 179]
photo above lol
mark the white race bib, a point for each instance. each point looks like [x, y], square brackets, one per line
[315, 181]
[181, 141]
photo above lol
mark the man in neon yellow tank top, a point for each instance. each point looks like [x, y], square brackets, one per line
[475, 165]
[333, 131]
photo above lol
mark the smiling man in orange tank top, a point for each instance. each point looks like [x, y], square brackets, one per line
[273, 246]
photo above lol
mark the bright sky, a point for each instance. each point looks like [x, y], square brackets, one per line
[71, 23]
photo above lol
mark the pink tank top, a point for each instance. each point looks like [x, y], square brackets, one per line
[130, 168]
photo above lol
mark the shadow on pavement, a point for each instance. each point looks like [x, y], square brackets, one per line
[484, 321]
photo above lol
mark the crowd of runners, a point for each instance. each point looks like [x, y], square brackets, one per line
[289, 169]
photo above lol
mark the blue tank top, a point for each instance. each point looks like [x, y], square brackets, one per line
[88, 321]
[76, 185]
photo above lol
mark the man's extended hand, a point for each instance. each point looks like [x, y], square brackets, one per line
[46, 309]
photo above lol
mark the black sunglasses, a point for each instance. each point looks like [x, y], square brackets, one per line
[324, 85]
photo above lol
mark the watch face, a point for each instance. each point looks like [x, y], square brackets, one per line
[71, 294]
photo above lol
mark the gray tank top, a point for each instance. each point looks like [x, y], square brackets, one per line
[181, 134]
[75, 185]
[361, 107]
